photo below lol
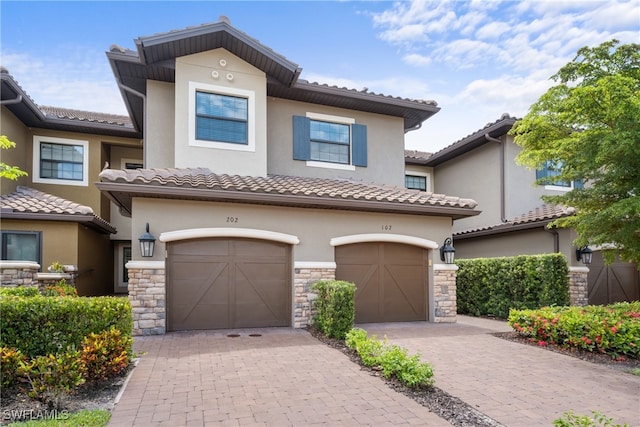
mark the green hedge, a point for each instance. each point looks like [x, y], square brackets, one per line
[335, 307]
[41, 325]
[492, 286]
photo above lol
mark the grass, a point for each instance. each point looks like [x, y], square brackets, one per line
[85, 418]
[635, 371]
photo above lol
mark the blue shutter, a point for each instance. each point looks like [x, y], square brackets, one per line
[578, 183]
[542, 173]
[359, 145]
[301, 141]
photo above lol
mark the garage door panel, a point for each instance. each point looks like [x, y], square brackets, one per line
[228, 283]
[619, 281]
[390, 278]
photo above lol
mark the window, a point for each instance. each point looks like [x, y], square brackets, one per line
[21, 246]
[60, 161]
[414, 182]
[324, 140]
[221, 117]
[549, 171]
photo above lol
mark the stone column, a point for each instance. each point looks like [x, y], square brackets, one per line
[444, 293]
[147, 295]
[306, 274]
[578, 286]
[19, 273]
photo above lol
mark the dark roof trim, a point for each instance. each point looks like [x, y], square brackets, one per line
[33, 116]
[501, 229]
[123, 193]
[475, 140]
[89, 220]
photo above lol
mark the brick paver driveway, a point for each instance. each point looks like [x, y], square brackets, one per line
[283, 377]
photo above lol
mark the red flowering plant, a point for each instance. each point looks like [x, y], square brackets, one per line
[613, 329]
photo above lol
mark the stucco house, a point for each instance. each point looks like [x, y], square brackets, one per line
[257, 183]
[514, 220]
[56, 213]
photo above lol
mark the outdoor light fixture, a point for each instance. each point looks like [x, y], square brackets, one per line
[147, 243]
[584, 254]
[447, 251]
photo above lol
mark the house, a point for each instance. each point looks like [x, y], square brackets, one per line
[514, 220]
[56, 213]
[257, 183]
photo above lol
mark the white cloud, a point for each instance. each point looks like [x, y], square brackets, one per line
[416, 60]
[492, 30]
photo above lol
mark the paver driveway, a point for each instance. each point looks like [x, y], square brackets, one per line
[515, 384]
[283, 377]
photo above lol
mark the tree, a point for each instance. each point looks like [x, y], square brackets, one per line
[589, 123]
[6, 171]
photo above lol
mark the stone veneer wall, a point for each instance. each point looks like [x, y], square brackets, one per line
[147, 295]
[304, 277]
[444, 293]
[19, 273]
[578, 286]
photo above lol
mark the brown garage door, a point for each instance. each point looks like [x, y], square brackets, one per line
[619, 281]
[390, 278]
[228, 283]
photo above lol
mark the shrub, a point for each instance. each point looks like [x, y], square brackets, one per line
[51, 377]
[569, 419]
[39, 325]
[335, 307]
[492, 286]
[60, 289]
[613, 329]
[106, 354]
[10, 359]
[392, 360]
[20, 291]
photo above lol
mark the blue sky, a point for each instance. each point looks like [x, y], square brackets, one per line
[476, 59]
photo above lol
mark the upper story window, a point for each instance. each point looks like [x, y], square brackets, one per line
[60, 161]
[329, 141]
[415, 182]
[552, 169]
[221, 117]
[21, 246]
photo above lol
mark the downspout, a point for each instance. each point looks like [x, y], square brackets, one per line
[144, 117]
[556, 238]
[17, 100]
[502, 185]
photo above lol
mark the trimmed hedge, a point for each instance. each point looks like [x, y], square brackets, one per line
[335, 307]
[40, 325]
[492, 286]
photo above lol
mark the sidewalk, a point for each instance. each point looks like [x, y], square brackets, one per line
[515, 384]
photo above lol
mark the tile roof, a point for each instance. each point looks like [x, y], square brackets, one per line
[286, 190]
[89, 116]
[539, 216]
[29, 203]
[416, 156]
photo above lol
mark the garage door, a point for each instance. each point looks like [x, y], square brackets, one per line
[390, 278]
[228, 283]
[619, 281]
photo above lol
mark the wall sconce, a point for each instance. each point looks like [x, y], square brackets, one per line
[147, 243]
[584, 254]
[447, 251]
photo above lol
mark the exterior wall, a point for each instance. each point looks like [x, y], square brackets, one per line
[385, 144]
[445, 296]
[198, 68]
[303, 298]
[314, 227]
[15, 130]
[160, 125]
[147, 295]
[578, 286]
[529, 242]
[474, 175]
[120, 155]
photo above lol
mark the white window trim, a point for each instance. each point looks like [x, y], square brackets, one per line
[37, 140]
[420, 173]
[333, 119]
[559, 187]
[223, 90]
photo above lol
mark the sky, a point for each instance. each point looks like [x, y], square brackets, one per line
[477, 59]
